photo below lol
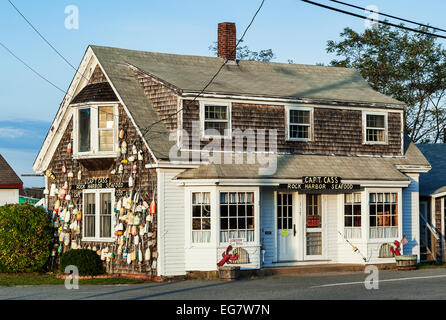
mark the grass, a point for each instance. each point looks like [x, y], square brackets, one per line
[33, 279]
[431, 265]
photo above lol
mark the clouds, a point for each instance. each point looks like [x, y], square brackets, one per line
[13, 133]
[20, 141]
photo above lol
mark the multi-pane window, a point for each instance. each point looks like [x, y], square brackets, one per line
[105, 128]
[89, 215]
[84, 130]
[314, 211]
[375, 128]
[216, 117]
[284, 211]
[236, 216]
[299, 124]
[98, 206]
[201, 217]
[105, 215]
[352, 215]
[383, 213]
[95, 130]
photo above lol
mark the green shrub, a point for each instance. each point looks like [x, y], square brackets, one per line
[87, 262]
[25, 238]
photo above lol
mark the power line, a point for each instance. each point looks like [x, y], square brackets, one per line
[33, 70]
[375, 20]
[146, 130]
[44, 39]
[388, 15]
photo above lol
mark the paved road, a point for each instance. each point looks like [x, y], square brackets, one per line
[420, 284]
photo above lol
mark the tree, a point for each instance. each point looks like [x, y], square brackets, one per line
[410, 67]
[243, 53]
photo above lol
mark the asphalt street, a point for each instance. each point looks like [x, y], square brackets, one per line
[426, 284]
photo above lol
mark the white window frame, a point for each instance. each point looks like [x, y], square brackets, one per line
[352, 215]
[364, 127]
[256, 215]
[366, 222]
[228, 133]
[94, 131]
[211, 217]
[97, 193]
[287, 117]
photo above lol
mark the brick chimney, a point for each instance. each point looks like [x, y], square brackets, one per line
[227, 40]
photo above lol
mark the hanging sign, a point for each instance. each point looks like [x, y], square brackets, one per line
[321, 184]
[100, 183]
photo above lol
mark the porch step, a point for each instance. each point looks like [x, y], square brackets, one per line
[321, 268]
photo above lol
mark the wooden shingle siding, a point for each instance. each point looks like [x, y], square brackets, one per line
[335, 131]
[145, 179]
[97, 76]
[163, 99]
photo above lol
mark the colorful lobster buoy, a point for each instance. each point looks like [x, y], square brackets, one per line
[69, 150]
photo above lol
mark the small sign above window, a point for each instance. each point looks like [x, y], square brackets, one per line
[319, 184]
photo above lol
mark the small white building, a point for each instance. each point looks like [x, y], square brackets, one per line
[10, 184]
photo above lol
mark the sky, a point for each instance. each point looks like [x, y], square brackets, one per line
[292, 29]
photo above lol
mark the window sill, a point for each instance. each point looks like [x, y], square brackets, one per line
[298, 139]
[375, 143]
[98, 240]
[203, 137]
[91, 155]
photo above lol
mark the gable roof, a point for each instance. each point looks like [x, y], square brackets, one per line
[248, 78]
[434, 181]
[8, 177]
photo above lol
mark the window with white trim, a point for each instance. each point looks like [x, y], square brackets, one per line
[98, 206]
[375, 128]
[95, 130]
[299, 124]
[236, 216]
[215, 119]
[352, 215]
[201, 217]
[383, 213]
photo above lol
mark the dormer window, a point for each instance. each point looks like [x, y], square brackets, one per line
[299, 123]
[375, 128]
[95, 130]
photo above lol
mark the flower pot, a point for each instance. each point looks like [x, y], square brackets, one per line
[228, 273]
[406, 262]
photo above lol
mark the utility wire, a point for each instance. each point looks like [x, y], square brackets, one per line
[375, 20]
[188, 102]
[388, 15]
[44, 39]
[33, 70]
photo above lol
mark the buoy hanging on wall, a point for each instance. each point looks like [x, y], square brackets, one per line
[69, 150]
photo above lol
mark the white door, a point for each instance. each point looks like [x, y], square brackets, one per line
[288, 235]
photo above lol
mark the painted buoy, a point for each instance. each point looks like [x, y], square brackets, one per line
[69, 148]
